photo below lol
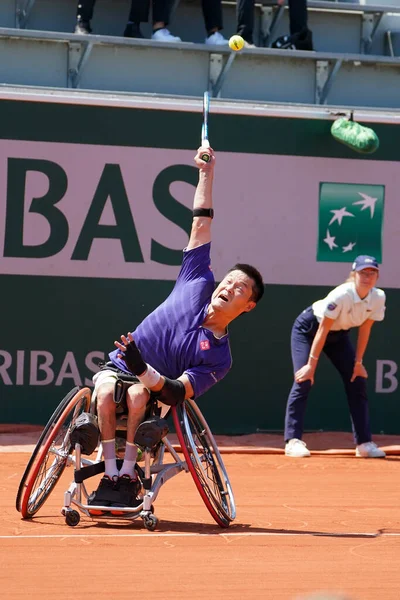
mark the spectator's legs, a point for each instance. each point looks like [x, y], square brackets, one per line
[84, 13]
[297, 15]
[300, 37]
[139, 13]
[161, 14]
[245, 19]
[212, 13]
[84, 10]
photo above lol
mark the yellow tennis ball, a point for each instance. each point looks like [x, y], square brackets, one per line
[236, 43]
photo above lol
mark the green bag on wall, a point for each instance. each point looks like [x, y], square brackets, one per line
[355, 136]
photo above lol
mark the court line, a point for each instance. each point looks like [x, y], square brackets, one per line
[220, 534]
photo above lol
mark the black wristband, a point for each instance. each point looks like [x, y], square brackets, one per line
[203, 212]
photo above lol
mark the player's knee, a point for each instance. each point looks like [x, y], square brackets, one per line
[105, 399]
[137, 398]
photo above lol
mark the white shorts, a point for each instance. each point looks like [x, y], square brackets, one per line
[104, 376]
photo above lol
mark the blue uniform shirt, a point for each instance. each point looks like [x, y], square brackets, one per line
[172, 340]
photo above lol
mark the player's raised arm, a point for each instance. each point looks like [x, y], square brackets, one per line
[202, 204]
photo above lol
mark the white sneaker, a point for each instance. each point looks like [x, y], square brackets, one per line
[164, 35]
[216, 39]
[296, 448]
[369, 450]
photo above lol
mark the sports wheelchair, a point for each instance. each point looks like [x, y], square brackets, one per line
[58, 448]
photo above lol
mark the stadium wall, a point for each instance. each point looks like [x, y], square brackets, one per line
[95, 210]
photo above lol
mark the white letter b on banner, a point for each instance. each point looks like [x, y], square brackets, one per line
[390, 368]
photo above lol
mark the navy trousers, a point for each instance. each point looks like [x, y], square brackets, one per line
[340, 351]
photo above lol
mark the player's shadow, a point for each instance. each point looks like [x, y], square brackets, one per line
[193, 528]
[247, 528]
[168, 526]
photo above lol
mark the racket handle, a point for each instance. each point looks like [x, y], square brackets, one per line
[205, 156]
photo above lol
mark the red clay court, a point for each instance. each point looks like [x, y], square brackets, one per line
[329, 523]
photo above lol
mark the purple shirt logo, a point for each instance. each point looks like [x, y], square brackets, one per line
[204, 345]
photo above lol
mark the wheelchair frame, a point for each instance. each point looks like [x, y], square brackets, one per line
[54, 452]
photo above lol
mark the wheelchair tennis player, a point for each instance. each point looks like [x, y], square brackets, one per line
[178, 351]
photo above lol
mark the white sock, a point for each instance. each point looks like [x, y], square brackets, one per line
[128, 466]
[110, 460]
[110, 467]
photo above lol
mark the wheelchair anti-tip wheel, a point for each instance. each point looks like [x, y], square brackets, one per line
[50, 456]
[204, 462]
[150, 522]
[72, 518]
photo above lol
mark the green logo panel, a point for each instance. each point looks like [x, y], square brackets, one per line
[350, 221]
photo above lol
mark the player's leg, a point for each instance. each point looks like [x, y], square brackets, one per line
[137, 397]
[340, 351]
[303, 333]
[107, 491]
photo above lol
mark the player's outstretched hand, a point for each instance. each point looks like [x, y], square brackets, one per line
[130, 353]
[200, 163]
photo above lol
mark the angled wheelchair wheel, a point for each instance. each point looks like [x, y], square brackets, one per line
[50, 456]
[204, 462]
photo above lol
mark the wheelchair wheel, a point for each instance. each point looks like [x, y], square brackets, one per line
[50, 456]
[204, 462]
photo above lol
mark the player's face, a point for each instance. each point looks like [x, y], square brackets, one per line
[233, 294]
[366, 279]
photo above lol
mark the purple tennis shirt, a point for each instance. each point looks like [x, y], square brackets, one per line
[172, 339]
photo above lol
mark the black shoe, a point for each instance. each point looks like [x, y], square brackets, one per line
[132, 30]
[82, 27]
[297, 41]
[106, 494]
[128, 489]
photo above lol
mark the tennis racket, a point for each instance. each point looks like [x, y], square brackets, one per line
[204, 130]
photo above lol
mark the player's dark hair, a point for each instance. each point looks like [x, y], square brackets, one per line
[255, 275]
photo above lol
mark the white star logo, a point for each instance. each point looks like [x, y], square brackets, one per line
[339, 214]
[330, 240]
[367, 202]
[349, 247]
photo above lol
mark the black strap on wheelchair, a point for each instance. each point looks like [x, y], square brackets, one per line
[91, 470]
